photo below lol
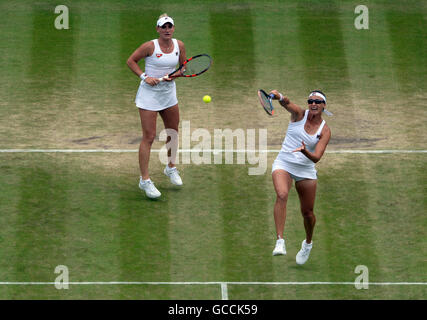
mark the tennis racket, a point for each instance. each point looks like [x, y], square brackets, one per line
[266, 101]
[191, 67]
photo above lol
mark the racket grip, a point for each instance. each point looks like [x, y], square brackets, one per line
[163, 78]
[271, 96]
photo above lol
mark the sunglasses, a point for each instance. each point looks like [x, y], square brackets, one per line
[316, 101]
[167, 25]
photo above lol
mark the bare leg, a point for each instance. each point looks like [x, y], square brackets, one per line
[148, 123]
[282, 184]
[307, 194]
[170, 117]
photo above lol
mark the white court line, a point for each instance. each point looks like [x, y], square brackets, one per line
[200, 150]
[222, 283]
[224, 291]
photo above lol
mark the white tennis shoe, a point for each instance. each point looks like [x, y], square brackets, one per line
[149, 188]
[173, 175]
[279, 249]
[304, 253]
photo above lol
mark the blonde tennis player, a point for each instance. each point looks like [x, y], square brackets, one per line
[154, 97]
[304, 144]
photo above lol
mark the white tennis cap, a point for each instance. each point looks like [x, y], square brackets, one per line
[164, 20]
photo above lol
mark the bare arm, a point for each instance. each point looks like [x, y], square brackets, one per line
[145, 50]
[320, 147]
[182, 55]
[297, 113]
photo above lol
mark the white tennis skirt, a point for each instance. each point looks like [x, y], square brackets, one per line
[156, 98]
[302, 171]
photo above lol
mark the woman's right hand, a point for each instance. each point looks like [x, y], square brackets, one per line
[152, 81]
[276, 94]
[280, 97]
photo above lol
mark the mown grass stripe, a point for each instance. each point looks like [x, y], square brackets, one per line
[242, 228]
[40, 230]
[407, 34]
[326, 68]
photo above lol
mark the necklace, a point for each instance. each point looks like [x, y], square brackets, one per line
[167, 49]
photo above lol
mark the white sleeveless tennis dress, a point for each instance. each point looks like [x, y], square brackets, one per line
[296, 163]
[159, 64]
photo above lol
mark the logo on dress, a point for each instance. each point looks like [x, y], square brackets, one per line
[158, 55]
[176, 53]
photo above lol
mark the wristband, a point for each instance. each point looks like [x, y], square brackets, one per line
[281, 97]
[143, 76]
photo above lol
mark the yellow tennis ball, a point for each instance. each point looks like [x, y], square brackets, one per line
[207, 99]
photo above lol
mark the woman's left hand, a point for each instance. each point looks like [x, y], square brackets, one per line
[300, 149]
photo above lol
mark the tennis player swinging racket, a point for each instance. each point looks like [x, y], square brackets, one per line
[307, 136]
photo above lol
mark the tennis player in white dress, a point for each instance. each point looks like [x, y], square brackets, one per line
[161, 56]
[304, 144]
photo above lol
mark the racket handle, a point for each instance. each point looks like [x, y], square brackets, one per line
[271, 96]
[163, 78]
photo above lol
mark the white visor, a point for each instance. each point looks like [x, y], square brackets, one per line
[315, 93]
[164, 20]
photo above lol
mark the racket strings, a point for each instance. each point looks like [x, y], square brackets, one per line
[197, 65]
[265, 102]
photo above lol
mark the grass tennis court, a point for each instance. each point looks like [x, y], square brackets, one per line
[71, 89]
